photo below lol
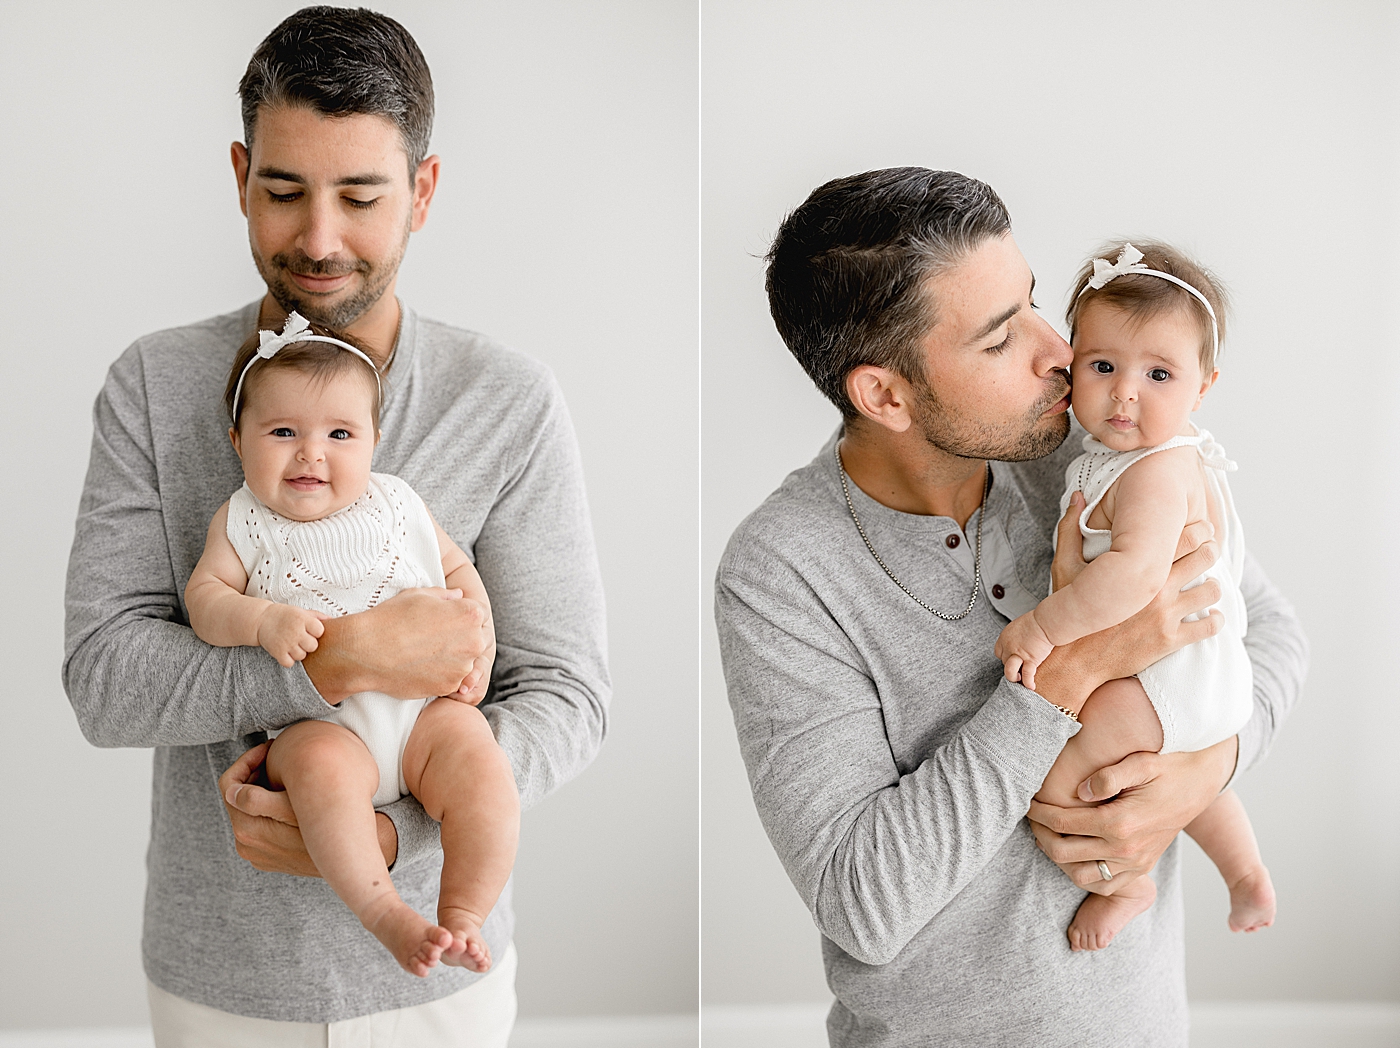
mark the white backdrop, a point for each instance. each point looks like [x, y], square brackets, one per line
[565, 224]
[1262, 138]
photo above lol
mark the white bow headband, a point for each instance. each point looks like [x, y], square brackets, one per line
[1129, 261]
[294, 331]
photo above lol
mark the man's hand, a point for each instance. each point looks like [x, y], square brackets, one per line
[419, 644]
[1153, 797]
[1069, 543]
[265, 828]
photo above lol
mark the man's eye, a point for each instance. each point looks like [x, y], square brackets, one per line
[340, 434]
[1000, 346]
[1159, 374]
[1103, 367]
[284, 198]
[361, 205]
[283, 431]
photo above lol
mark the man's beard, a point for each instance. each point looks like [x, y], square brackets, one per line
[339, 315]
[1019, 440]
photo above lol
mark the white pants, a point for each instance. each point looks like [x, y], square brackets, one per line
[481, 1016]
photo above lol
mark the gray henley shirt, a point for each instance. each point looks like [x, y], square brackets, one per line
[482, 434]
[892, 767]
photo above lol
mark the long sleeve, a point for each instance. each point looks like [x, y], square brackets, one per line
[535, 554]
[134, 671]
[1278, 653]
[874, 853]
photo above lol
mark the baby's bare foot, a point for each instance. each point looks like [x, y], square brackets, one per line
[468, 948]
[1252, 902]
[1101, 917]
[416, 944]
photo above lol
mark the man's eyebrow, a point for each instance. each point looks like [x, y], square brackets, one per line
[276, 174]
[1001, 318]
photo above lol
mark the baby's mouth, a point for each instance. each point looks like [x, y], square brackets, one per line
[1122, 422]
[306, 482]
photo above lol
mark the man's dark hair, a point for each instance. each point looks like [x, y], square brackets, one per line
[339, 61]
[847, 270]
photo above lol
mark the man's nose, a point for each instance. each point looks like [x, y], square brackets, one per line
[320, 235]
[1052, 352]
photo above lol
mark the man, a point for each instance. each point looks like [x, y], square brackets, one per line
[333, 176]
[891, 762]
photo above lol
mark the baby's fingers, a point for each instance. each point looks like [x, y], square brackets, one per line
[1028, 675]
[1013, 668]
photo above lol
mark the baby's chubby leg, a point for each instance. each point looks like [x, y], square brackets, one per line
[330, 778]
[453, 765]
[1224, 833]
[1117, 720]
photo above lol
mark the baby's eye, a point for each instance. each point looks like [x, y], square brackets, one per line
[340, 434]
[1159, 374]
[1103, 367]
[283, 431]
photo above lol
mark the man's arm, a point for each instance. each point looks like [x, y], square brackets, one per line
[549, 693]
[134, 672]
[874, 853]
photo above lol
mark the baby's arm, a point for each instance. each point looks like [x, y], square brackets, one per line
[222, 615]
[1151, 504]
[460, 574]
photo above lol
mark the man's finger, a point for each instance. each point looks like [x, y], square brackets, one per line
[261, 803]
[1195, 533]
[1194, 563]
[242, 769]
[1136, 769]
[1200, 629]
[1198, 598]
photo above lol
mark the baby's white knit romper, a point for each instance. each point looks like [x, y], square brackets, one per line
[1203, 693]
[360, 556]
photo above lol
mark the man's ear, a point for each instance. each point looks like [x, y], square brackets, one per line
[238, 153]
[425, 181]
[233, 439]
[881, 396]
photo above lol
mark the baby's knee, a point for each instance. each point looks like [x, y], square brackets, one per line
[1119, 716]
[318, 751]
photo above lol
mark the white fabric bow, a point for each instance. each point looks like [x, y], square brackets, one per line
[269, 342]
[294, 331]
[1104, 270]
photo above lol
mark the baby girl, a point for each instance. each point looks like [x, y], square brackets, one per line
[311, 535]
[1146, 331]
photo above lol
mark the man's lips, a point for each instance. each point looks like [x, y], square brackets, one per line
[321, 285]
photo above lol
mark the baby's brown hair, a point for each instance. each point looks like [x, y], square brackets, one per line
[1142, 296]
[319, 360]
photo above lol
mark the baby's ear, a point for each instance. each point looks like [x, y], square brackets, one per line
[233, 439]
[1206, 383]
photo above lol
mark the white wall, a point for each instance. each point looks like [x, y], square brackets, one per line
[565, 225]
[1261, 137]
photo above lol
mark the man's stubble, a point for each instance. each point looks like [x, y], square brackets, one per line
[1023, 439]
[377, 278]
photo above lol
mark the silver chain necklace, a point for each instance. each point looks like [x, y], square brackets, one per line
[976, 561]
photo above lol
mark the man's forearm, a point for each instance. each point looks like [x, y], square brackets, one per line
[1278, 654]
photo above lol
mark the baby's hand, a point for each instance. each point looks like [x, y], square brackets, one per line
[473, 687]
[289, 634]
[1022, 647]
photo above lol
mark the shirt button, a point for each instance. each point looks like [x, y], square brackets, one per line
[952, 541]
[998, 591]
